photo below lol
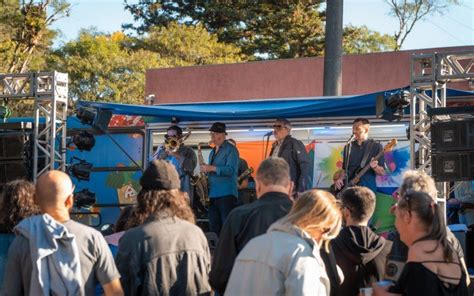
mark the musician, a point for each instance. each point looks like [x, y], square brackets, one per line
[294, 153]
[359, 152]
[222, 177]
[182, 157]
[244, 178]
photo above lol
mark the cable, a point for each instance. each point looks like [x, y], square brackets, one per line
[463, 42]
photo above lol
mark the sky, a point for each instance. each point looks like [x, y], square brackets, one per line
[455, 27]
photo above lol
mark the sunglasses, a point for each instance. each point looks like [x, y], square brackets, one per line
[278, 127]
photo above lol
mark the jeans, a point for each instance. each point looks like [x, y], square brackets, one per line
[219, 209]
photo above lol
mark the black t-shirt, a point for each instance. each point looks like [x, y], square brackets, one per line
[357, 153]
[418, 280]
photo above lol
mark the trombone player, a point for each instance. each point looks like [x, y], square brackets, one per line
[181, 156]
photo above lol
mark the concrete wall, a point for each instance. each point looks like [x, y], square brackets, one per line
[301, 77]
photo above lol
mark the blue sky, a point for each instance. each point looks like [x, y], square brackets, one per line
[455, 27]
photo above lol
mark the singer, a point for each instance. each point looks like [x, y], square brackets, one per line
[359, 152]
[294, 153]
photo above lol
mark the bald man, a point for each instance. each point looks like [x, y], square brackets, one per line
[54, 196]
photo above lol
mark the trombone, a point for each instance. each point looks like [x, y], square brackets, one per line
[172, 144]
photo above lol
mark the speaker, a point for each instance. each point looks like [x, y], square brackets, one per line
[452, 135]
[452, 166]
[11, 146]
[13, 169]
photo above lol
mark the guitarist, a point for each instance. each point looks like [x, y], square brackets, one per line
[358, 153]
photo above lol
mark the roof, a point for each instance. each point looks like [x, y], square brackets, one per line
[313, 107]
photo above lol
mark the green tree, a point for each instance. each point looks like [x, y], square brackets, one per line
[357, 40]
[25, 36]
[100, 68]
[410, 12]
[112, 68]
[262, 29]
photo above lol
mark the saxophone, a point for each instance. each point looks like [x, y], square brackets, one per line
[200, 180]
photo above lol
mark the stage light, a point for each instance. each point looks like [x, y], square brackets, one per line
[391, 106]
[84, 199]
[98, 118]
[80, 170]
[84, 141]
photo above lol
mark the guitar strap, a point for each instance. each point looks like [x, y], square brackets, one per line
[368, 149]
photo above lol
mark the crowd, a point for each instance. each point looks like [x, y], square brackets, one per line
[287, 242]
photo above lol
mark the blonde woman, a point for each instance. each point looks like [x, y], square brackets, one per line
[286, 260]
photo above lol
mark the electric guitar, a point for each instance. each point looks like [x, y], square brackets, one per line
[245, 174]
[362, 171]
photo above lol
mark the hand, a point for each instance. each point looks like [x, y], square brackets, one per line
[378, 290]
[339, 183]
[374, 163]
[207, 168]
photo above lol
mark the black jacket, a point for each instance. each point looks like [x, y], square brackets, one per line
[361, 254]
[294, 153]
[243, 224]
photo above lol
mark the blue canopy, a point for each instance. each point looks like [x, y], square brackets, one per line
[360, 105]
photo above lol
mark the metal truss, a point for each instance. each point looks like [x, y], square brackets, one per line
[430, 74]
[49, 90]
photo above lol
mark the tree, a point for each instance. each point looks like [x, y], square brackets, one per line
[357, 40]
[409, 12]
[112, 67]
[25, 39]
[25, 34]
[262, 29]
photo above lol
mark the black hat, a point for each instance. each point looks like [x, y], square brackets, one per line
[160, 175]
[218, 127]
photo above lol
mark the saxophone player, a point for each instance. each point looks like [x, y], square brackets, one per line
[222, 177]
[181, 156]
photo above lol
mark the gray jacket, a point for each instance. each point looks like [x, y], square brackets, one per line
[168, 256]
[284, 261]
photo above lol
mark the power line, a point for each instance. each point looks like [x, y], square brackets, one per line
[454, 37]
[460, 23]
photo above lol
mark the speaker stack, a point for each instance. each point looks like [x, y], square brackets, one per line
[452, 150]
[15, 151]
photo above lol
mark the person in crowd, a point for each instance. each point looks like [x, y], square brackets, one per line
[464, 193]
[53, 255]
[273, 186]
[119, 229]
[337, 175]
[360, 151]
[286, 260]
[16, 203]
[181, 156]
[222, 176]
[433, 267]
[166, 253]
[294, 153]
[359, 252]
[243, 177]
[416, 181]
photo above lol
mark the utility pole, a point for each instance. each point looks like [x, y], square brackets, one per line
[333, 49]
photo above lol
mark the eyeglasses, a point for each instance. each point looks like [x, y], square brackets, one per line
[278, 127]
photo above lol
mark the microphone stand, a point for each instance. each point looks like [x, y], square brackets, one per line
[348, 155]
[266, 145]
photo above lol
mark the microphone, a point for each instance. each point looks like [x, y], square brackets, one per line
[268, 134]
[352, 138]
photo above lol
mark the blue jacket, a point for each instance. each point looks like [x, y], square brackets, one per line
[223, 182]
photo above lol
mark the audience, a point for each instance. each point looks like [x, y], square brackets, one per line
[359, 252]
[16, 203]
[286, 260]
[273, 188]
[53, 255]
[416, 181]
[166, 254]
[432, 267]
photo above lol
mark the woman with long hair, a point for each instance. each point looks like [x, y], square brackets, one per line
[16, 203]
[432, 268]
[286, 260]
[163, 252]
